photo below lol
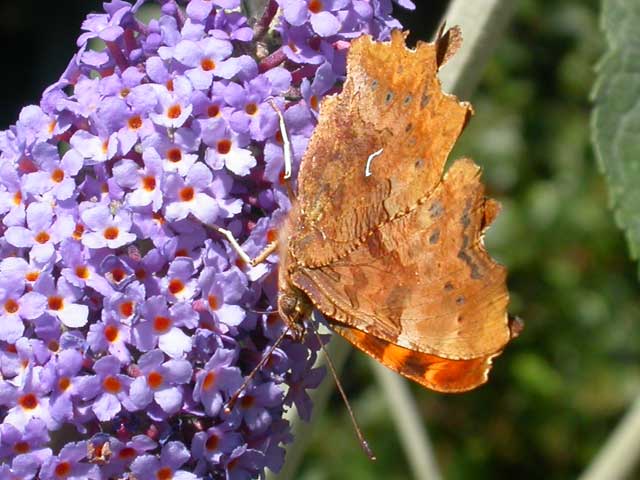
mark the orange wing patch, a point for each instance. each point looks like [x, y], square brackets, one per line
[440, 374]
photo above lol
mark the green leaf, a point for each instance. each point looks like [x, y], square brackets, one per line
[616, 116]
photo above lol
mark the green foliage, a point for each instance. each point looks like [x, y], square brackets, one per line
[616, 119]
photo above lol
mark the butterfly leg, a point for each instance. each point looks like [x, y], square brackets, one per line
[262, 256]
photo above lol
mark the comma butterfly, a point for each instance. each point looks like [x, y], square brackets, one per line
[379, 241]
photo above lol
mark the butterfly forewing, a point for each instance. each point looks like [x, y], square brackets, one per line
[391, 104]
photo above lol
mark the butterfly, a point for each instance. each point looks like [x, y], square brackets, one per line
[381, 242]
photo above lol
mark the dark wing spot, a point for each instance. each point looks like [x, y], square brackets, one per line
[436, 209]
[408, 127]
[460, 300]
[374, 85]
[433, 238]
[419, 163]
[388, 98]
[425, 100]
[448, 286]
[407, 99]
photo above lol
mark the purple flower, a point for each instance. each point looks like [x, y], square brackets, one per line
[161, 326]
[108, 389]
[216, 381]
[16, 305]
[68, 464]
[146, 184]
[172, 457]
[160, 382]
[121, 310]
[210, 446]
[107, 229]
[189, 195]
[61, 301]
[42, 233]
[66, 366]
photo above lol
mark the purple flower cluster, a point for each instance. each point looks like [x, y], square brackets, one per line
[126, 321]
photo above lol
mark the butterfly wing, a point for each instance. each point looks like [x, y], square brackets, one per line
[440, 374]
[379, 147]
[423, 281]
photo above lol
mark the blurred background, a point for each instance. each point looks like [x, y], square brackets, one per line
[559, 389]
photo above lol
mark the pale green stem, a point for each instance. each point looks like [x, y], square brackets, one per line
[409, 423]
[619, 456]
[482, 23]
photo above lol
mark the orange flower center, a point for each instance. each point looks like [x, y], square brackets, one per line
[161, 324]
[64, 383]
[174, 111]
[127, 453]
[82, 271]
[251, 108]
[209, 381]
[117, 274]
[315, 6]
[42, 237]
[213, 111]
[165, 473]
[57, 175]
[111, 233]
[11, 306]
[21, 447]
[155, 380]
[62, 470]
[186, 194]
[111, 333]
[149, 183]
[213, 302]
[32, 276]
[176, 286]
[314, 102]
[224, 146]
[126, 309]
[79, 230]
[212, 442]
[174, 155]
[247, 401]
[207, 64]
[111, 384]
[28, 401]
[135, 122]
[55, 302]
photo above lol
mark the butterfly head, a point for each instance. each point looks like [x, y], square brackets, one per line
[294, 307]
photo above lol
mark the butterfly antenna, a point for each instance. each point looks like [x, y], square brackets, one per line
[234, 398]
[363, 442]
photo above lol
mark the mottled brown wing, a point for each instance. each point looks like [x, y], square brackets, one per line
[440, 374]
[392, 104]
[423, 281]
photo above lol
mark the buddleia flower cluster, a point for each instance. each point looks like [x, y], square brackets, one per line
[126, 320]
